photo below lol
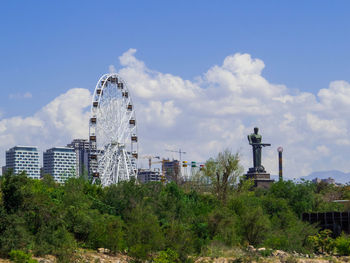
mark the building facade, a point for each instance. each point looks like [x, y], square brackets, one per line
[328, 180]
[81, 148]
[171, 170]
[60, 163]
[147, 175]
[23, 158]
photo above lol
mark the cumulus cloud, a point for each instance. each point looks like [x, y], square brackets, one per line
[112, 69]
[220, 107]
[55, 124]
[205, 115]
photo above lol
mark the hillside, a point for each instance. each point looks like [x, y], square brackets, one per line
[338, 176]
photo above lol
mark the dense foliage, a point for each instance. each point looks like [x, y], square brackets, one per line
[164, 222]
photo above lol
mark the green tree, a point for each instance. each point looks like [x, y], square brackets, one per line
[254, 225]
[323, 242]
[144, 234]
[107, 231]
[300, 196]
[223, 172]
[19, 256]
[342, 245]
[223, 226]
[167, 256]
[14, 191]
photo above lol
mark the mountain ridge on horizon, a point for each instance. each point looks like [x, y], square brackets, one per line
[338, 176]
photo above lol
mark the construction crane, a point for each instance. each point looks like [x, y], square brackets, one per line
[179, 152]
[150, 157]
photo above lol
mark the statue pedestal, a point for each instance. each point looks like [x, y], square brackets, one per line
[261, 180]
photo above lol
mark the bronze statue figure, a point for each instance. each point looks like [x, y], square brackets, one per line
[255, 141]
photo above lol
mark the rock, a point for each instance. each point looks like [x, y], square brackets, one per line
[250, 248]
[103, 250]
[261, 249]
[280, 253]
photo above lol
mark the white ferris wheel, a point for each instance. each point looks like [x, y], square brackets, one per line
[112, 132]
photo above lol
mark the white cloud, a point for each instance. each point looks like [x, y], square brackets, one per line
[18, 96]
[219, 108]
[112, 69]
[55, 124]
[205, 115]
[327, 128]
[322, 150]
[165, 113]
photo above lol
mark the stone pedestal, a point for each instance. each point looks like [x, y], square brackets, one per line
[261, 180]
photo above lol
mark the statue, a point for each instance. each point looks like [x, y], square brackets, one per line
[255, 141]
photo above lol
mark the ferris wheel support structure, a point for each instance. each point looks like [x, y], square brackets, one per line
[112, 132]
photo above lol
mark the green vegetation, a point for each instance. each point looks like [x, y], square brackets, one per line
[323, 242]
[163, 223]
[19, 256]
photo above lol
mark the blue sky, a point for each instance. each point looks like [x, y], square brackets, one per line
[49, 47]
[202, 73]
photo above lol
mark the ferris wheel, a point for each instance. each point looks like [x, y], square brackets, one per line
[112, 132]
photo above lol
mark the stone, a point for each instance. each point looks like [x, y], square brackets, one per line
[103, 250]
[250, 248]
[280, 253]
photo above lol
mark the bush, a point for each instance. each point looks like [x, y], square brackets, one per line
[167, 256]
[322, 242]
[144, 233]
[266, 253]
[18, 256]
[107, 231]
[170, 221]
[222, 226]
[342, 245]
[254, 225]
[64, 245]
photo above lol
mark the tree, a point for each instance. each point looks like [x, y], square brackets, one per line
[144, 235]
[323, 242]
[14, 191]
[223, 172]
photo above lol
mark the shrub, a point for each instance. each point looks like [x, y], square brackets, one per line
[144, 233]
[266, 253]
[342, 245]
[322, 242]
[167, 256]
[254, 225]
[18, 256]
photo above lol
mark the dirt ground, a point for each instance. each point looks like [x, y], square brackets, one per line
[84, 256]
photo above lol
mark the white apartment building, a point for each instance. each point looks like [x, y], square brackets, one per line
[60, 163]
[23, 158]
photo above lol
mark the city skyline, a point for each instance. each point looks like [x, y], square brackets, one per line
[192, 76]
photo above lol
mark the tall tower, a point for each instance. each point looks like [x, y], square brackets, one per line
[60, 163]
[24, 158]
[81, 148]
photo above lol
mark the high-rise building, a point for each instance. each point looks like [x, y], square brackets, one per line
[171, 170]
[3, 170]
[60, 163]
[147, 175]
[24, 158]
[81, 148]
